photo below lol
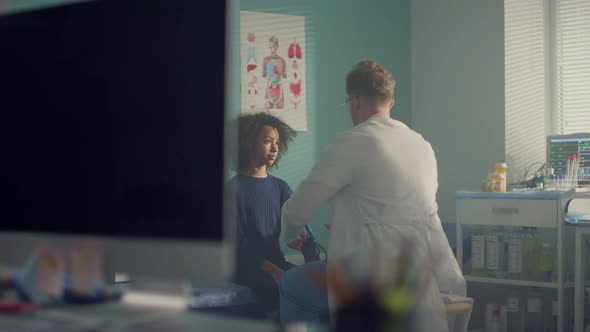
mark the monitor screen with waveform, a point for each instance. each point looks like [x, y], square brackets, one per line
[561, 147]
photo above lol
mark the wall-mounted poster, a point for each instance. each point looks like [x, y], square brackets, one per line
[273, 66]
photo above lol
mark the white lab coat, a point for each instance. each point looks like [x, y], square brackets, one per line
[380, 178]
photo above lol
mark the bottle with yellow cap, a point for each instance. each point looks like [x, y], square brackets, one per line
[499, 183]
[500, 177]
[491, 182]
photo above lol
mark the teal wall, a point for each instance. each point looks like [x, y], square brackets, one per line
[338, 34]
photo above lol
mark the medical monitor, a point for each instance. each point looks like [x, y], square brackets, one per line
[559, 147]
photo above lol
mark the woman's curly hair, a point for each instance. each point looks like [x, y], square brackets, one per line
[250, 125]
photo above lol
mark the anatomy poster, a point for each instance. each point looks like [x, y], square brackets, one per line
[273, 66]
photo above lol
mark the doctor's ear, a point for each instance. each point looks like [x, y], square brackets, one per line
[355, 102]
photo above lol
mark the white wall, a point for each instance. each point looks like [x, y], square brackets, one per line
[458, 89]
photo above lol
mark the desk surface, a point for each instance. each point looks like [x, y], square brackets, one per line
[116, 317]
[119, 317]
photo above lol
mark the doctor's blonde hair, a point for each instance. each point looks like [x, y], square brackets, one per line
[371, 81]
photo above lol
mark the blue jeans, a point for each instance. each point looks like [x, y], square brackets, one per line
[301, 299]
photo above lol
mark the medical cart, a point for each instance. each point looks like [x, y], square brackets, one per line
[533, 210]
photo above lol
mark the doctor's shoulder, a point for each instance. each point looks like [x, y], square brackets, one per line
[351, 140]
[425, 143]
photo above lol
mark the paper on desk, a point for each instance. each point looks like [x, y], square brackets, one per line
[50, 272]
[86, 265]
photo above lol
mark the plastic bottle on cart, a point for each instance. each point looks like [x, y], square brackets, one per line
[561, 182]
[499, 182]
[495, 253]
[531, 254]
[550, 178]
[552, 182]
[547, 262]
[515, 255]
[502, 168]
[491, 182]
[478, 253]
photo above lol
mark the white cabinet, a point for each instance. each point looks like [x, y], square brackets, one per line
[511, 213]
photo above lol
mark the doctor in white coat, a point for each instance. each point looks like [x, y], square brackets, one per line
[380, 178]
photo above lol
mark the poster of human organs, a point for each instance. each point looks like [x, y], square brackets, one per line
[272, 50]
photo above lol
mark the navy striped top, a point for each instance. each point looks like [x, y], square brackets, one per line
[258, 214]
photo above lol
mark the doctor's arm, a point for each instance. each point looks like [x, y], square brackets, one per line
[332, 172]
